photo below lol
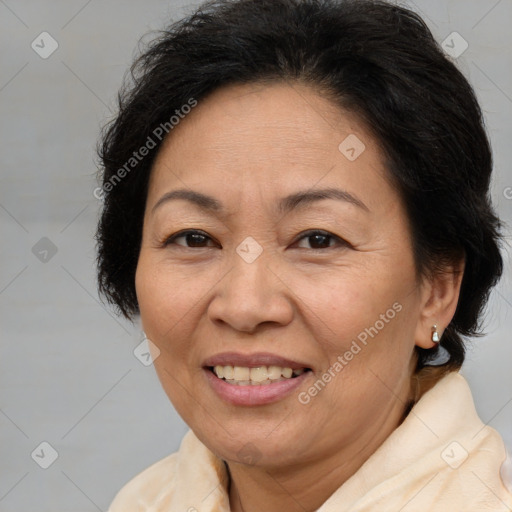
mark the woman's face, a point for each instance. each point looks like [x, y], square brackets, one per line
[285, 248]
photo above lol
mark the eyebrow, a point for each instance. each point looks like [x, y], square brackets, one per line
[286, 204]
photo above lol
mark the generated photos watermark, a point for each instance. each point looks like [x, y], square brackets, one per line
[343, 360]
[152, 140]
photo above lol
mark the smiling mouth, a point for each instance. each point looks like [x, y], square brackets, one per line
[256, 376]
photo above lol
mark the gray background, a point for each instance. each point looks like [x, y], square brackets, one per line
[68, 374]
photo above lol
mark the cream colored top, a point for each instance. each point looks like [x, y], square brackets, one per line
[441, 458]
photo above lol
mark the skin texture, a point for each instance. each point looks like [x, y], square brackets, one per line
[303, 298]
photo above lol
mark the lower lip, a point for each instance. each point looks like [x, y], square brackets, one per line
[254, 395]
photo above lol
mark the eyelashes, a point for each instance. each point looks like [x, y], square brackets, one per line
[195, 238]
[320, 236]
[191, 235]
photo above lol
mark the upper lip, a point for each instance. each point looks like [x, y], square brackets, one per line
[253, 360]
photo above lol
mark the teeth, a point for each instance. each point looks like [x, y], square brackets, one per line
[241, 373]
[261, 375]
[286, 372]
[274, 372]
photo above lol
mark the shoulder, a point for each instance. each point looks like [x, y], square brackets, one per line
[143, 490]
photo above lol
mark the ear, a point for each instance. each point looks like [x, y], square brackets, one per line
[440, 295]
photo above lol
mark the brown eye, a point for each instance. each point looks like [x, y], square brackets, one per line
[190, 238]
[320, 240]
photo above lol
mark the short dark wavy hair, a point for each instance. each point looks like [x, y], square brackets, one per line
[372, 58]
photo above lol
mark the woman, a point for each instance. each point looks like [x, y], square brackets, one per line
[297, 205]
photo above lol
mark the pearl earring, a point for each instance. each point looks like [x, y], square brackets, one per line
[435, 334]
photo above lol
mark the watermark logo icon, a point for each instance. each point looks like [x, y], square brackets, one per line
[44, 250]
[249, 454]
[146, 352]
[352, 147]
[454, 454]
[44, 455]
[249, 250]
[44, 45]
[454, 45]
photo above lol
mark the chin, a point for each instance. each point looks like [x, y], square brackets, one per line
[265, 443]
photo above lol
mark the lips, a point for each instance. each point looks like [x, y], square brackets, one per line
[254, 395]
[254, 379]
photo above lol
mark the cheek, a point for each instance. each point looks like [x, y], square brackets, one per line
[364, 320]
[166, 296]
[345, 302]
[166, 303]
[172, 301]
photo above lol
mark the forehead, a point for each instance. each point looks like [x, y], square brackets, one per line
[269, 138]
[246, 118]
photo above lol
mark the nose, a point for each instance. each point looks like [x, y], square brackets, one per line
[250, 295]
